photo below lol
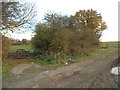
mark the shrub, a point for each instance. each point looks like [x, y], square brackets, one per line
[5, 47]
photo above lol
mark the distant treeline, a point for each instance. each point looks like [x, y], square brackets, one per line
[20, 42]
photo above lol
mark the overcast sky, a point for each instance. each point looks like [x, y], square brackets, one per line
[107, 8]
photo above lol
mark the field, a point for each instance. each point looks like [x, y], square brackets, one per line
[26, 47]
[111, 44]
[31, 49]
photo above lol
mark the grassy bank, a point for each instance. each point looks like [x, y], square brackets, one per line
[51, 61]
[6, 68]
[8, 64]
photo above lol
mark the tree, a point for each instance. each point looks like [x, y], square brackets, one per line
[49, 36]
[56, 20]
[88, 20]
[17, 14]
[24, 41]
[69, 36]
[87, 26]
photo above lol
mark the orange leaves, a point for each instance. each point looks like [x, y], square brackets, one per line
[89, 19]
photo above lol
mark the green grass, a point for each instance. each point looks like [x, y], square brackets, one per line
[92, 55]
[31, 49]
[6, 68]
[54, 62]
[0, 68]
[112, 54]
[26, 47]
[0, 71]
[111, 44]
[46, 61]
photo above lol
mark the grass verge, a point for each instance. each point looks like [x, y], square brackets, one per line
[112, 54]
[6, 68]
[92, 55]
[52, 62]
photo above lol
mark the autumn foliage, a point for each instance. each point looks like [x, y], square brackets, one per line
[5, 47]
[69, 36]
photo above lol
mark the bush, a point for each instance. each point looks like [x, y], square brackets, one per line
[5, 47]
[62, 36]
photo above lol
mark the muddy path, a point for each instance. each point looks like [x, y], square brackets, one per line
[92, 73]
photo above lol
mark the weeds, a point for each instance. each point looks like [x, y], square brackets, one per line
[51, 61]
[6, 68]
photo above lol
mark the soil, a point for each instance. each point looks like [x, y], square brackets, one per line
[92, 73]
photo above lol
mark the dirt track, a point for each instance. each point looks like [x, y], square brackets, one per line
[92, 73]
